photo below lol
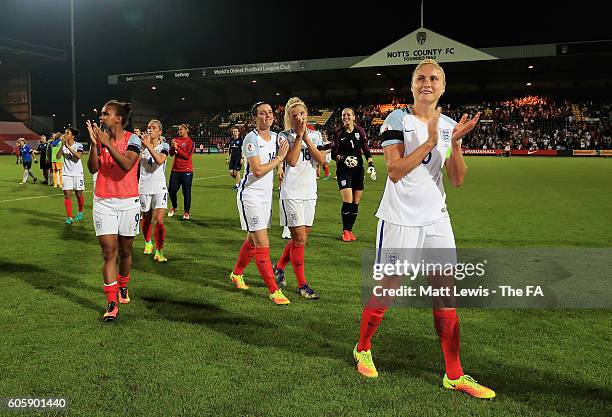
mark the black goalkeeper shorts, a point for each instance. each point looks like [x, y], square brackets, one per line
[350, 178]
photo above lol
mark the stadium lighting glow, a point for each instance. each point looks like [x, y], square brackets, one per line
[253, 81]
[53, 115]
[278, 94]
[528, 84]
[379, 74]
[392, 89]
[183, 98]
[530, 67]
[153, 88]
[95, 110]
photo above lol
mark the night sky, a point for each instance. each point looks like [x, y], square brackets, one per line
[125, 36]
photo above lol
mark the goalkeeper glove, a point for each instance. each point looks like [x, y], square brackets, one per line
[372, 171]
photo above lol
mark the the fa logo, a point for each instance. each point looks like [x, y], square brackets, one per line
[392, 258]
[421, 37]
[294, 217]
[445, 134]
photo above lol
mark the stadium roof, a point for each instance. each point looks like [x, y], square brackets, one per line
[384, 72]
[19, 56]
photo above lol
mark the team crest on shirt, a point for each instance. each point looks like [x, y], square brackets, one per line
[254, 221]
[250, 147]
[356, 135]
[386, 127]
[445, 134]
[343, 183]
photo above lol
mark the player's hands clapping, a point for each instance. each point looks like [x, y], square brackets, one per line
[432, 128]
[464, 127]
[283, 148]
[100, 136]
[173, 143]
[92, 135]
[301, 128]
[146, 139]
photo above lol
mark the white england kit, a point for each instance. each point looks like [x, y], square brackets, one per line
[412, 212]
[72, 169]
[152, 184]
[328, 154]
[254, 197]
[298, 196]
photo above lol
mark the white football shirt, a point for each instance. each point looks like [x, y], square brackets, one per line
[253, 188]
[152, 176]
[418, 199]
[300, 182]
[72, 167]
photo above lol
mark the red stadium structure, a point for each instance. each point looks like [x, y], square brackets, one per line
[17, 60]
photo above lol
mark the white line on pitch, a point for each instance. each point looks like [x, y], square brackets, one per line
[89, 191]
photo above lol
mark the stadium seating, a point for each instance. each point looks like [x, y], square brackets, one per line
[530, 122]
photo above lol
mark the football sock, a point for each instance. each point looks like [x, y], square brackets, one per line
[160, 235]
[81, 201]
[123, 281]
[111, 291]
[297, 261]
[326, 170]
[25, 176]
[146, 228]
[264, 266]
[371, 317]
[247, 251]
[353, 216]
[68, 206]
[346, 215]
[447, 327]
[286, 256]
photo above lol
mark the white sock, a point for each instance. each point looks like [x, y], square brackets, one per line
[25, 175]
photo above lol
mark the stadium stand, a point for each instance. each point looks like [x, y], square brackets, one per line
[530, 122]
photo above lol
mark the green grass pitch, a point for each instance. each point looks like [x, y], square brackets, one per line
[189, 344]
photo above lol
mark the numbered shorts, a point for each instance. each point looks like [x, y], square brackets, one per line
[294, 213]
[117, 222]
[254, 215]
[153, 201]
[433, 243]
[73, 183]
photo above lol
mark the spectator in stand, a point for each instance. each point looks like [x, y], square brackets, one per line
[182, 148]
